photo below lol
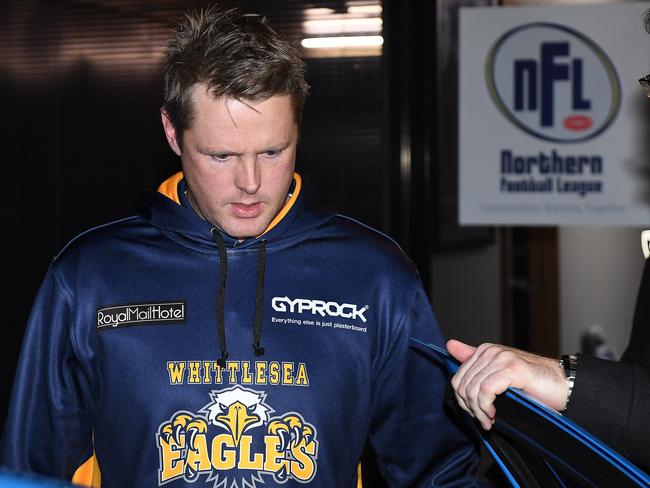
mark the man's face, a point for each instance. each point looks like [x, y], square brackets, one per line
[238, 158]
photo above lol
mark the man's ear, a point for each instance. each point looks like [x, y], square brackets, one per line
[170, 132]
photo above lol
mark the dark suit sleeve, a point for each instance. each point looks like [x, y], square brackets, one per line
[612, 399]
[638, 349]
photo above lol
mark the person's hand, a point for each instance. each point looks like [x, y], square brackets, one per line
[489, 369]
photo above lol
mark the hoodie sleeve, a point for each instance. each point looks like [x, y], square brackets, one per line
[416, 443]
[48, 428]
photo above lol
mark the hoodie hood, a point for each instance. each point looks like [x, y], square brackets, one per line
[163, 209]
[169, 210]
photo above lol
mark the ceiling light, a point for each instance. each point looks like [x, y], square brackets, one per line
[342, 26]
[342, 42]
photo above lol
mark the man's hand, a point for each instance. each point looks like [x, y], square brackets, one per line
[489, 369]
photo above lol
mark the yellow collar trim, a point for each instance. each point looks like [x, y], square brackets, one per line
[169, 188]
[287, 206]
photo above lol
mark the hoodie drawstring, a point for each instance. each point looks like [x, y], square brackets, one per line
[259, 299]
[221, 298]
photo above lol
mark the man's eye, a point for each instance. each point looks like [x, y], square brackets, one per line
[220, 157]
[272, 153]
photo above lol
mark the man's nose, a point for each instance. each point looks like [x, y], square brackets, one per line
[248, 178]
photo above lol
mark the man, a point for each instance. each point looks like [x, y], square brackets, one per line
[230, 335]
[611, 399]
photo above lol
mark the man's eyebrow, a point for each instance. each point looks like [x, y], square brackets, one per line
[278, 146]
[210, 150]
[271, 147]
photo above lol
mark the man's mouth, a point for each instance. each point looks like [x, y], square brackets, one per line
[246, 210]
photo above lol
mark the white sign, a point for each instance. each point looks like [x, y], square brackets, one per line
[553, 122]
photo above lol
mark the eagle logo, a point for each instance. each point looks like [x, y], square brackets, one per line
[284, 447]
[237, 410]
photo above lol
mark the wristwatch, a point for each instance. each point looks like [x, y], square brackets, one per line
[569, 362]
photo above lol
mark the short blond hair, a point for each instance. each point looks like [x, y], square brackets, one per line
[236, 55]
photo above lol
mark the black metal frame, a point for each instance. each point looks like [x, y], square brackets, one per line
[449, 235]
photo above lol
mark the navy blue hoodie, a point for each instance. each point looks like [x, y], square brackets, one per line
[176, 354]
